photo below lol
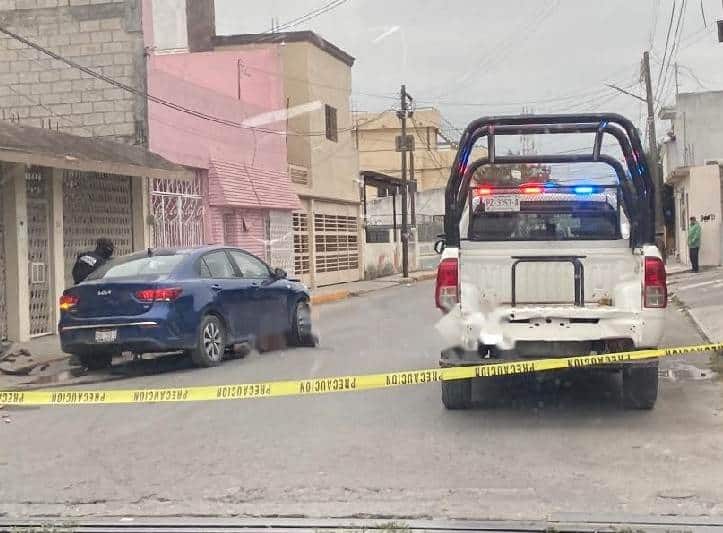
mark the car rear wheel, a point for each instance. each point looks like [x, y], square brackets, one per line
[211, 343]
[457, 393]
[96, 360]
[640, 386]
[301, 330]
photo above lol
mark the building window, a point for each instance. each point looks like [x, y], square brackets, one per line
[331, 130]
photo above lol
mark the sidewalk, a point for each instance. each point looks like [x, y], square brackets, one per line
[23, 360]
[701, 295]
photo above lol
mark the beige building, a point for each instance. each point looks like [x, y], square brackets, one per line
[322, 156]
[692, 158]
[375, 136]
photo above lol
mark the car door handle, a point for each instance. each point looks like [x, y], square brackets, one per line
[216, 287]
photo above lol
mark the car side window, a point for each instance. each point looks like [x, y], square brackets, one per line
[249, 266]
[217, 266]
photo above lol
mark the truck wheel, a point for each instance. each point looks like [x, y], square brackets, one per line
[457, 393]
[640, 386]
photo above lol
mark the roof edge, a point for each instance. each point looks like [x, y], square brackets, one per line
[285, 37]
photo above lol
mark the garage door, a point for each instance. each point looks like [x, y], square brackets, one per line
[95, 205]
[336, 247]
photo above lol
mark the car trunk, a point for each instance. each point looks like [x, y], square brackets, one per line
[110, 298]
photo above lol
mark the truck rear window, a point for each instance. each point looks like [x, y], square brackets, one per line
[537, 219]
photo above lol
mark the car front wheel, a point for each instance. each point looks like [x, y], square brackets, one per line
[301, 331]
[211, 343]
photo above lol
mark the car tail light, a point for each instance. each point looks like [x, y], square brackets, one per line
[68, 301]
[446, 292]
[158, 295]
[655, 290]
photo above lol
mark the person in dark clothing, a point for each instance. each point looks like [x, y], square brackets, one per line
[89, 262]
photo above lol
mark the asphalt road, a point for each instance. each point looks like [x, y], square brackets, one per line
[564, 446]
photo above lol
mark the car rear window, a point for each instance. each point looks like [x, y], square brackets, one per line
[543, 219]
[138, 266]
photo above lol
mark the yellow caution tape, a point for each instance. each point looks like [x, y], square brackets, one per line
[328, 385]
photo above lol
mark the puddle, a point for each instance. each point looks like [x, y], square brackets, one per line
[686, 372]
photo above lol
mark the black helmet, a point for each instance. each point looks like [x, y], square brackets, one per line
[104, 247]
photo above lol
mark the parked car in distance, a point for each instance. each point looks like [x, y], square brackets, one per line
[201, 301]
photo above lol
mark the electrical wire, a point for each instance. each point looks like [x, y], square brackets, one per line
[155, 99]
[667, 41]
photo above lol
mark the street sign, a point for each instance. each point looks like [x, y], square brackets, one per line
[410, 143]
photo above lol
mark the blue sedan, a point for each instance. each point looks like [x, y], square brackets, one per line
[202, 301]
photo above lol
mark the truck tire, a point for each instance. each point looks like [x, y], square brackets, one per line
[640, 386]
[457, 393]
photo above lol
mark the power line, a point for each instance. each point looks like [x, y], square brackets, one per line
[667, 41]
[328, 6]
[155, 99]
[676, 42]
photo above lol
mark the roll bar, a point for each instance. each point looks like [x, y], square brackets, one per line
[638, 190]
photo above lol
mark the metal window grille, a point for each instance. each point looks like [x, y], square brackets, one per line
[302, 250]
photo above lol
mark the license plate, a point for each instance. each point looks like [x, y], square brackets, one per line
[502, 203]
[106, 335]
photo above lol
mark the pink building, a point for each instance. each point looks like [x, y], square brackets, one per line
[236, 141]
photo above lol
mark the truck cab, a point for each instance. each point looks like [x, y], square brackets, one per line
[549, 268]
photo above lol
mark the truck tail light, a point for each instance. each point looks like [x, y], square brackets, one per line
[68, 301]
[446, 292]
[158, 295]
[655, 289]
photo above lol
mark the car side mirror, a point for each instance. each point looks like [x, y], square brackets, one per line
[279, 273]
[439, 246]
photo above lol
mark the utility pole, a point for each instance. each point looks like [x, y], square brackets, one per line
[404, 98]
[653, 151]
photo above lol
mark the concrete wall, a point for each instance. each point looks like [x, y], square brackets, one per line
[699, 195]
[104, 35]
[698, 127]
[427, 203]
[385, 258]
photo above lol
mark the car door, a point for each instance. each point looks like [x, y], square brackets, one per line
[269, 293]
[231, 294]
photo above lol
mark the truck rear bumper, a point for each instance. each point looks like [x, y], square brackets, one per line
[506, 326]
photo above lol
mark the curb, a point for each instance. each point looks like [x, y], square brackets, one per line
[336, 296]
[425, 276]
[696, 322]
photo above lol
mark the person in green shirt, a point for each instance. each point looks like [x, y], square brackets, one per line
[694, 243]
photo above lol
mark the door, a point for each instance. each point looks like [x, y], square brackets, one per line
[269, 294]
[232, 295]
[36, 182]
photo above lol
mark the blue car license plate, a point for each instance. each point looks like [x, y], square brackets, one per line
[106, 335]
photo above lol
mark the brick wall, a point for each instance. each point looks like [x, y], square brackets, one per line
[104, 35]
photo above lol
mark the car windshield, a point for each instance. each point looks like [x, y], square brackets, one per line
[379, 266]
[137, 267]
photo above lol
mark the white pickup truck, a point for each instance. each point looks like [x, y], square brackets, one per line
[550, 269]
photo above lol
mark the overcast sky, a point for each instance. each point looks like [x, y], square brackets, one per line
[549, 55]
